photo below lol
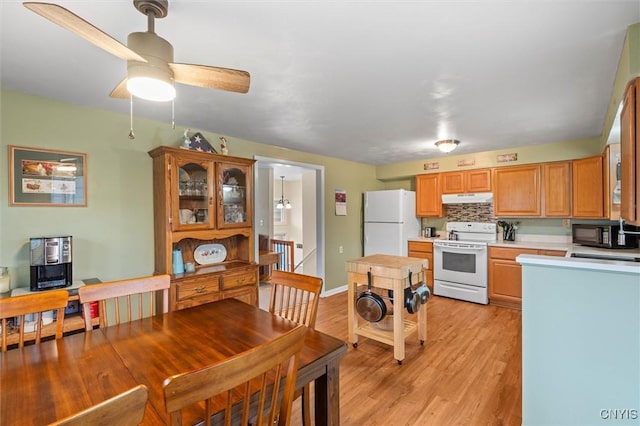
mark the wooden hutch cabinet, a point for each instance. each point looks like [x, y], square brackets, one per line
[203, 206]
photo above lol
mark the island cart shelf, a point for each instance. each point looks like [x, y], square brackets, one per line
[388, 273]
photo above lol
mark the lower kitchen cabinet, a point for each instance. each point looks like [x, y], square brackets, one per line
[505, 274]
[423, 250]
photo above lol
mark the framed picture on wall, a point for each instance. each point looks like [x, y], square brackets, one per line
[46, 177]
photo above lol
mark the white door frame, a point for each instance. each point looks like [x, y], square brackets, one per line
[319, 178]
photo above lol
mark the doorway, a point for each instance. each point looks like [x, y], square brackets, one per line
[302, 185]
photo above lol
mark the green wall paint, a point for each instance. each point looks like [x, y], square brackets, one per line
[113, 235]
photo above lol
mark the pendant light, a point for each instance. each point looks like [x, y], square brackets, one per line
[283, 203]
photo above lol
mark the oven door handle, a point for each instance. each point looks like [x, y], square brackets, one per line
[460, 246]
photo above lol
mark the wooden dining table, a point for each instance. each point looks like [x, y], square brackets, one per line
[46, 382]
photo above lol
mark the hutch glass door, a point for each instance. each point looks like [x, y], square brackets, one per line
[234, 211]
[193, 191]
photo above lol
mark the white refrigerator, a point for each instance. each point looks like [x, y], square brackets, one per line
[389, 221]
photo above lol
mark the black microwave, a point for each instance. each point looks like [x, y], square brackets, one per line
[604, 236]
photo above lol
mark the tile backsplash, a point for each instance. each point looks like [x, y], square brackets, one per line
[473, 212]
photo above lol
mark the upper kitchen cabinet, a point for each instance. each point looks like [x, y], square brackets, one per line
[612, 181]
[556, 198]
[516, 191]
[428, 195]
[466, 181]
[630, 154]
[587, 179]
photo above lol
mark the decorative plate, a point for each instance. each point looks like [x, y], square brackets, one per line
[207, 254]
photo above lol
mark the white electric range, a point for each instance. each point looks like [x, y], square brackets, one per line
[460, 262]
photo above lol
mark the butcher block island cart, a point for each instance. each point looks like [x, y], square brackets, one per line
[387, 273]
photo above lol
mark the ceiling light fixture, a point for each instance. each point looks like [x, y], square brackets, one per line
[282, 202]
[447, 145]
[151, 80]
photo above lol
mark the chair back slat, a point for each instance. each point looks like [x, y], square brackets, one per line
[34, 303]
[125, 409]
[295, 296]
[246, 386]
[124, 291]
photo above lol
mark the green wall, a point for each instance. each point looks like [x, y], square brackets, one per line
[113, 235]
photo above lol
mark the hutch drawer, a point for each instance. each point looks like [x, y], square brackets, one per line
[238, 279]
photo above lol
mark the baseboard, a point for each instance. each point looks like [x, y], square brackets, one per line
[334, 291]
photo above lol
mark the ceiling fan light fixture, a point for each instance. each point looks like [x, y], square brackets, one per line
[151, 80]
[447, 145]
[151, 89]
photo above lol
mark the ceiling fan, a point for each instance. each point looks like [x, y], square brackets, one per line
[151, 72]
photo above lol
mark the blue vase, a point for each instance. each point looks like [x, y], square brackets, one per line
[178, 263]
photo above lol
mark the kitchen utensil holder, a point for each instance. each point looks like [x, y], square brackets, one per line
[508, 235]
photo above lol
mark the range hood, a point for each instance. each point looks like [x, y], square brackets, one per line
[478, 197]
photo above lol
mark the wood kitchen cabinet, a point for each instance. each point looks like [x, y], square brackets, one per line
[505, 274]
[588, 188]
[556, 197]
[203, 206]
[466, 181]
[428, 195]
[630, 154]
[423, 250]
[517, 191]
[612, 182]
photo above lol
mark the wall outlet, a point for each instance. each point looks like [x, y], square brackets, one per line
[340, 249]
[566, 223]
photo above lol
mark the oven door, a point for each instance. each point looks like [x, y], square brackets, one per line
[460, 262]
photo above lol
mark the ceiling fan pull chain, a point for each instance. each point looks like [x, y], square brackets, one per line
[173, 114]
[131, 134]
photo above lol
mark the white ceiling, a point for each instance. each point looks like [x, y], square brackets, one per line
[370, 81]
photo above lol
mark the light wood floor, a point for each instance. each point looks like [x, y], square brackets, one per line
[469, 372]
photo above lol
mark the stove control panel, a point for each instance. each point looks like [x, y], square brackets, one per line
[474, 227]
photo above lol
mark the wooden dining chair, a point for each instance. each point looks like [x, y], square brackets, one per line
[251, 380]
[295, 297]
[125, 409]
[33, 303]
[125, 291]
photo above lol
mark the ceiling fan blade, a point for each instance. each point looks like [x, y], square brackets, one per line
[72, 22]
[120, 91]
[212, 77]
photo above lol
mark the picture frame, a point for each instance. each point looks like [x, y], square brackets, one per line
[47, 177]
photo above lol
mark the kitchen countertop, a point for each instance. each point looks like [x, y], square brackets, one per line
[563, 243]
[576, 263]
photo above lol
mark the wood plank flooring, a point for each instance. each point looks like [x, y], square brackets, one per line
[469, 372]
